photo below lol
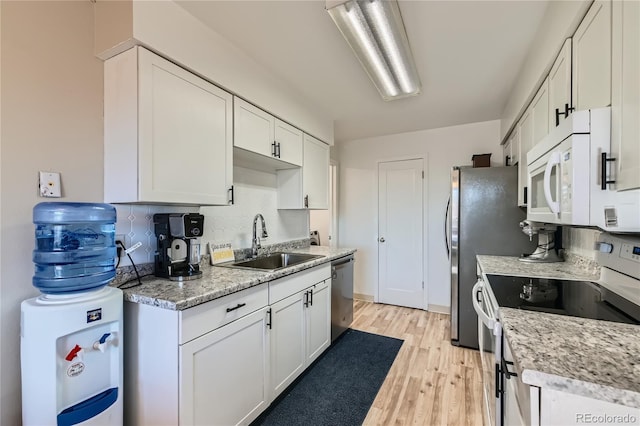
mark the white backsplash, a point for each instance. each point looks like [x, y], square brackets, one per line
[255, 192]
[580, 241]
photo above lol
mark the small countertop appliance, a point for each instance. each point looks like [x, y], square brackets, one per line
[178, 253]
[546, 250]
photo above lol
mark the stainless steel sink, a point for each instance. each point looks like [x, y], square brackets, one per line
[273, 261]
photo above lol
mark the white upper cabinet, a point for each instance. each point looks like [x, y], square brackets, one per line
[540, 113]
[525, 134]
[625, 94]
[560, 105]
[288, 143]
[592, 58]
[259, 132]
[506, 151]
[253, 128]
[315, 173]
[306, 188]
[168, 133]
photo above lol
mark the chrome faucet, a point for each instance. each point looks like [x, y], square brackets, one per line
[255, 245]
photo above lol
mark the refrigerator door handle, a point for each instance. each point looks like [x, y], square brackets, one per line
[446, 228]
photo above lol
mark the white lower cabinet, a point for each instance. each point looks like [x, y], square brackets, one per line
[301, 326]
[223, 362]
[224, 374]
[287, 342]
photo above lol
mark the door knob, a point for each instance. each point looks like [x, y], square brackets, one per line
[381, 239]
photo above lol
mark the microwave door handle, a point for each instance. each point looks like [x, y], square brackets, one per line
[554, 160]
[482, 316]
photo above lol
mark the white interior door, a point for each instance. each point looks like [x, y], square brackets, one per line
[400, 233]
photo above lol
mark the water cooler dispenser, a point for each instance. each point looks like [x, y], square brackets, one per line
[71, 335]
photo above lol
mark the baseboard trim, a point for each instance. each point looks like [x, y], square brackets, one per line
[440, 309]
[363, 297]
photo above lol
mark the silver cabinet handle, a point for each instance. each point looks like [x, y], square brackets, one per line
[381, 239]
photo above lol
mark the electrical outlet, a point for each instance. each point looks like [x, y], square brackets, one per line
[49, 184]
[124, 238]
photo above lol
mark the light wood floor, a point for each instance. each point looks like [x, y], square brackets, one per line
[431, 382]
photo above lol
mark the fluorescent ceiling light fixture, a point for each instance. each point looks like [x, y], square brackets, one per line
[376, 34]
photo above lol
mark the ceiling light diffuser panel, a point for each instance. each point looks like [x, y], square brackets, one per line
[375, 32]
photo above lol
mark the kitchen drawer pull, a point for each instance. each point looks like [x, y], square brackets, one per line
[603, 171]
[273, 149]
[238, 306]
[311, 298]
[269, 320]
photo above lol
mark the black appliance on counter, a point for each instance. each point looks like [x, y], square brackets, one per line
[178, 253]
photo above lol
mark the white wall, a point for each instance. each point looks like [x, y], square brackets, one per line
[442, 149]
[559, 22]
[51, 120]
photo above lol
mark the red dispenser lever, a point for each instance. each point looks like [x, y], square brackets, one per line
[73, 353]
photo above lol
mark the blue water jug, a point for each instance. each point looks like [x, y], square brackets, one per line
[75, 246]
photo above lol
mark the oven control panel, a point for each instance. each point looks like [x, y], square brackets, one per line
[630, 251]
[620, 253]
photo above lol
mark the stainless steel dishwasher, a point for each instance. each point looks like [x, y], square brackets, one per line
[341, 295]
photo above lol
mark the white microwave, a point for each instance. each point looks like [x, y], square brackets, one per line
[565, 173]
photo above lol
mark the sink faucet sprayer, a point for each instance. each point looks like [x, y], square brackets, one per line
[255, 245]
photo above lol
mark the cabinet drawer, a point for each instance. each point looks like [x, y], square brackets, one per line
[286, 286]
[201, 319]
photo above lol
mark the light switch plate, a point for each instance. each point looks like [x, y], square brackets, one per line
[49, 184]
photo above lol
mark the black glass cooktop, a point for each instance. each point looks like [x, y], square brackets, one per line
[574, 298]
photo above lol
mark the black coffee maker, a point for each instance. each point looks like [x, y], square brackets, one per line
[178, 253]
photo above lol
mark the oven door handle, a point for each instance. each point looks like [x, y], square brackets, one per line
[482, 316]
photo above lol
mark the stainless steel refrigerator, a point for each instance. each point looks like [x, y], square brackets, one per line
[484, 218]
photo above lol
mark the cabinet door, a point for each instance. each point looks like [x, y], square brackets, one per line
[625, 95]
[592, 58]
[253, 128]
[560, 86]
[185, 135]
[289, 143]
[525, 131]
[318, 320]
[540, 113]
[506, 152]
[315, 173]
[223, 374]
[287, 341]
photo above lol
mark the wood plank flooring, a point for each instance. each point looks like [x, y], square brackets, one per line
[431, 382]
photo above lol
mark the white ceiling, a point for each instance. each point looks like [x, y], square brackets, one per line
[468, 54]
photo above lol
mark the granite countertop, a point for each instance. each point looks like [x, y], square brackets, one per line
[575, 268]
[218, 281]
[592, 358]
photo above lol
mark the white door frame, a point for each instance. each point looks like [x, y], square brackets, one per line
[425, 228]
